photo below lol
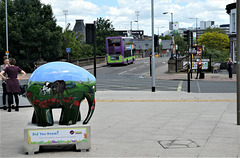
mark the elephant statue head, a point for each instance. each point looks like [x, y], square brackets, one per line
[60, 85]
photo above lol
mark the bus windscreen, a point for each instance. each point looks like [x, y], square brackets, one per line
[114, 42]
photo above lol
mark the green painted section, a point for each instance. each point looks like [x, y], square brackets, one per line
[120, 60]
[70, 101]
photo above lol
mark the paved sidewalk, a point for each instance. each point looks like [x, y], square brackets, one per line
[163, 74]
[144, 124]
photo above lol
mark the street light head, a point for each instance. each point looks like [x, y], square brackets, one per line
[165, 12]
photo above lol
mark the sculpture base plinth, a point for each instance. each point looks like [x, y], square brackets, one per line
[36, 136]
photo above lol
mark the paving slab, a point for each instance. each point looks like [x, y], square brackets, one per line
[130, 124]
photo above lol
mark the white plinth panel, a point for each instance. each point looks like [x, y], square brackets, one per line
[35, 136]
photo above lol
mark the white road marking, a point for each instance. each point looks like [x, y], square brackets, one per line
[122, 72]
[133, 69]
[180, 86]
[198, 87]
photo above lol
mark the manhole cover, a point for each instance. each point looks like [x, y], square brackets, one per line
[175, 144]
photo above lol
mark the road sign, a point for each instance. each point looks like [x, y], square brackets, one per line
[7, 52]
[68, 50]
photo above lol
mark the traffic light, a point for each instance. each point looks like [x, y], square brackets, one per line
[191, 37]
[186, 36]
[90, 33]
[156, 41]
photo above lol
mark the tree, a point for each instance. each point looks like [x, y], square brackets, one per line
[104, 29]
[33, 32]
[216, 44]
[214, 30]
[182, 45]
[214, 40]
[75, 41]
[167, 37]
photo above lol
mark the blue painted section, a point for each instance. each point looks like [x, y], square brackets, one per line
[60, 71]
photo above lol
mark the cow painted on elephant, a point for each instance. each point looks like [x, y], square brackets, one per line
[60, 85]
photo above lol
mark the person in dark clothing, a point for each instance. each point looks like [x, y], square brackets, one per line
[199, 68]
[230, 67]
[6, 64]
[12, 84]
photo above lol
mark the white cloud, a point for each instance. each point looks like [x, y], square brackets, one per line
[124, 12]
[83, 7]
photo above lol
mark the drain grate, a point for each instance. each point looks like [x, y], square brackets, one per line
[176, 144]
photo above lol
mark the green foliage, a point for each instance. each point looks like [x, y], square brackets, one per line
[167, 37]
[75, 41]
[104, 29]
[32, 32]
[216, 44]
[214, 30]
[214, 41]
[182, 45]
[217, 55]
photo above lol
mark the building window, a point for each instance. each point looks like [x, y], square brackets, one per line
[234, 52]
[233, 23]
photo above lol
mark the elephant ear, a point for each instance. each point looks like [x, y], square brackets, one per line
[91, 106]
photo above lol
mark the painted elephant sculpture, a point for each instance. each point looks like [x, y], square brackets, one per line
[60, 85]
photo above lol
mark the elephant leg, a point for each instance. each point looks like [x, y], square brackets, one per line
[79, 116]
[69, 115]
[91, 105]
[34, 119]
[44, 116]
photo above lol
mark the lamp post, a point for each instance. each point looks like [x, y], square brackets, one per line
[196, 28]
[171, 47]
[7, 51]
[153, 54]
[171, 28]
[171, 19]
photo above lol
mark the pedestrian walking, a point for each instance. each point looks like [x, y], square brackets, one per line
[12, 83]
[199, 68]
[179, 54]
[230, 67]
[4, 95]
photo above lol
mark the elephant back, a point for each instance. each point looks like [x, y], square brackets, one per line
[58, 83]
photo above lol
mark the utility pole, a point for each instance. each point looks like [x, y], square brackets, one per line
[137, 14]
[130, 28]
[65, 12]
[238, 62]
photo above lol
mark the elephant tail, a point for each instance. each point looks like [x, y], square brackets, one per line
[91, 104]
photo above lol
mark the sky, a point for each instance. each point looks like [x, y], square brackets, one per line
[122, 12]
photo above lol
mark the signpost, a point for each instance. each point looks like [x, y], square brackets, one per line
[7, 53]
[68, 50]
